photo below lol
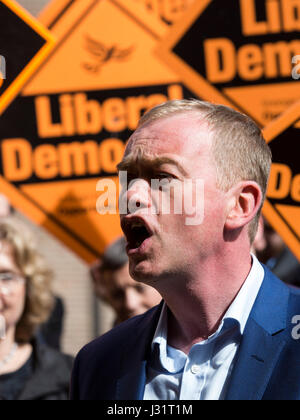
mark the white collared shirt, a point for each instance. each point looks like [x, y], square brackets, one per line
[204, 373]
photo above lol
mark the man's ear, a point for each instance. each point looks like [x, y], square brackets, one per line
[244, 201]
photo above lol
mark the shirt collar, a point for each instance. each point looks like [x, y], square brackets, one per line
[237, 313]
[242, 305]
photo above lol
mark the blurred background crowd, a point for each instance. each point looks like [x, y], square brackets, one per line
[49, 317]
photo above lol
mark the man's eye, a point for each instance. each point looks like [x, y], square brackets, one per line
[163, 175]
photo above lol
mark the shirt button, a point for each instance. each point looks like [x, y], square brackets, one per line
[195, 369]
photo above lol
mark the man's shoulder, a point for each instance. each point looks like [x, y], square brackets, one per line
[120, 336]
[98, 365]
[279, 297]
[294, 300]
[279, 284]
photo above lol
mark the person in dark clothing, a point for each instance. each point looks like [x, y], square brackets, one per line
[113, 284]
[29, 369]
[272, 251]
[45, 376]
[50, 332]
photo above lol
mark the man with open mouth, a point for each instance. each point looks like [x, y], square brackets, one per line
[224, 327]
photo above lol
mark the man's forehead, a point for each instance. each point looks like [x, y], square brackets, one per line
[151, 148]
[154, 143]
[168, 135]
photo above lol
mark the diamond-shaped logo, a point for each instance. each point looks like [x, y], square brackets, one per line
[73, 122]
[24, 45]
[239, 53]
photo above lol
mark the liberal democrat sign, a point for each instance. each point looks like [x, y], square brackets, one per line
[75, 116]
[24, 45]
[238, 52]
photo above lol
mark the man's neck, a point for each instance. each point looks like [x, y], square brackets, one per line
[204, 300]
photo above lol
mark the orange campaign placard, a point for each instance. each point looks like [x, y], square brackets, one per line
[155, 15]
[282, 207]
[75, 116]
[242, 53]
[24, 45]
[54, 11]
[168, 11]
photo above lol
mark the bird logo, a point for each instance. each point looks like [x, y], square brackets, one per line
[103, 54]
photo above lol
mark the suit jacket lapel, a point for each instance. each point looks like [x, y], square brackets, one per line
[256, 360]
[262, 342]
[132, 381]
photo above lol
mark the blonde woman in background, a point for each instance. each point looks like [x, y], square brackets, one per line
[29, 370]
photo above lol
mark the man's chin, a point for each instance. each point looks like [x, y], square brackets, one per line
[142, 270]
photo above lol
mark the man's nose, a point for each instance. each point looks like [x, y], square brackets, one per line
[138, 195]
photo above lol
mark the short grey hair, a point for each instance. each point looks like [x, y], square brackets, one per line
[239, 149]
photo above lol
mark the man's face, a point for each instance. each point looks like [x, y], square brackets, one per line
[176, 148]
[127, 297]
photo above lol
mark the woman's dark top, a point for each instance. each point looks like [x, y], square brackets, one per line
[45, 376]
[12, 384]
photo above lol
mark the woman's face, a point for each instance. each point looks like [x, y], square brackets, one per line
[12, 287]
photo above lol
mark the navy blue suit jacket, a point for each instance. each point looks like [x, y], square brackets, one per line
[113, 367]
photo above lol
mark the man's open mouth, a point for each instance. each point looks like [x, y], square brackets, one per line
[136, 231]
